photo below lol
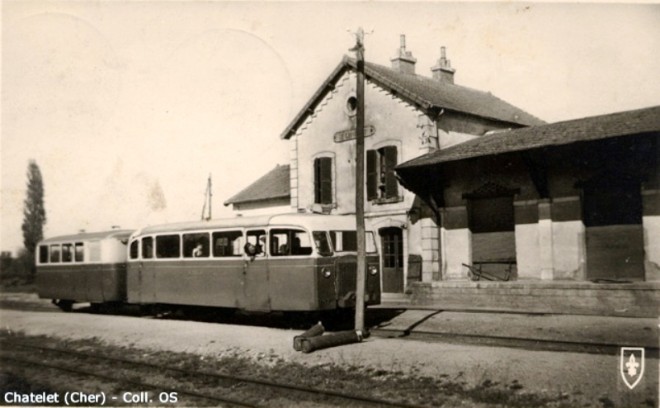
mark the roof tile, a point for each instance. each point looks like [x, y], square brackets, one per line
[554, 134]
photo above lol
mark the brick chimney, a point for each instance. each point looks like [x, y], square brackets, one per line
[443, 71]
[404, 62]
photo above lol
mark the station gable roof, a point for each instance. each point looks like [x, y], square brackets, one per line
[426, 93]
[274, 184]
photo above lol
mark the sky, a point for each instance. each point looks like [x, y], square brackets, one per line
[128, 106]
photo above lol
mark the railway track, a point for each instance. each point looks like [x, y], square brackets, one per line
[228, 389]
[505, 341]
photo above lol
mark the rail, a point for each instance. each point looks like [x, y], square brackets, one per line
[204, 375]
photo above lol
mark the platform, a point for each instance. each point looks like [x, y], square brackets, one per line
[640, 299]
[617, 331]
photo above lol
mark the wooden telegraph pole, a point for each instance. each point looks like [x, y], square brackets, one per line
[208, 197]
[359, 183]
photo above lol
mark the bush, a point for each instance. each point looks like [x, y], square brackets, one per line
[16, 271]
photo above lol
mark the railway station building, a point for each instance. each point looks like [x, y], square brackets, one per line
[556, 218]
[475, 203]
[407, 115]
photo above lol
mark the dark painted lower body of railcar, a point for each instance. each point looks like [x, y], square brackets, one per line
[96, 283]
[287, 284]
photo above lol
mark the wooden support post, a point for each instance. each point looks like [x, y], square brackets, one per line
[316, 330]
[330, 340]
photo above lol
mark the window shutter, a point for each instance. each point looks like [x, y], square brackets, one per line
[317, 180]
[372, 175]
[391, 184]
[323, 180]
[326, 180]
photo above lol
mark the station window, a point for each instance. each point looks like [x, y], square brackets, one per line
[43, 254]
[227, 243]
[196, 245]
[168, 246]
[134, 249]
[67, 256]
[80, 252]
[147, 247]
[381, 180]
[289, 242]
[54, 253]
[323, 180]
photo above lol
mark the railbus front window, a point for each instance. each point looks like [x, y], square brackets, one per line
[54, 253]
[147, 248]
[43, 254]
[196, 245]
[134, 249]
[322, 244]
[79, 252]
[168, 246]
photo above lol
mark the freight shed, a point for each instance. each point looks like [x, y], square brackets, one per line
[557, 218]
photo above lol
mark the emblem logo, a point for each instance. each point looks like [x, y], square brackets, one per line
[632, 365]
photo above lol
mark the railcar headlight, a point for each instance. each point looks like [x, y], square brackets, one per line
[373, 269]
[326, 272]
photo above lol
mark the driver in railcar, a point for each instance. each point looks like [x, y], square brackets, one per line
[198, 251]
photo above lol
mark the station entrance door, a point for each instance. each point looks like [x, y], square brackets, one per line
[392, 249]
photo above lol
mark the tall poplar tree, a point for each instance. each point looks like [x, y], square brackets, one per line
[34, 213]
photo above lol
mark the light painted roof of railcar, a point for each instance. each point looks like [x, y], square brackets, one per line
[312, 221]
[89, 236]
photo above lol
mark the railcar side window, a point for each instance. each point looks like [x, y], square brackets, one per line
[322, 244]
[227, 243]
[257, 238]
[133, 249]
[43, 254]
[168, 246]
[80, 252]
[54, 253]
[66, 253]
[196, 245]
[147, 247]
[289, 242]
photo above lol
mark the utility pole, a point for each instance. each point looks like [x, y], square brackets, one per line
[210, 198]
[208, 195]
[359, 183]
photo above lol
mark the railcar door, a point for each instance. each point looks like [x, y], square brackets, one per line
[255, 272]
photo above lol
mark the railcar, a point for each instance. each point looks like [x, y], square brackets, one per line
[84, 267]
[295, 263]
